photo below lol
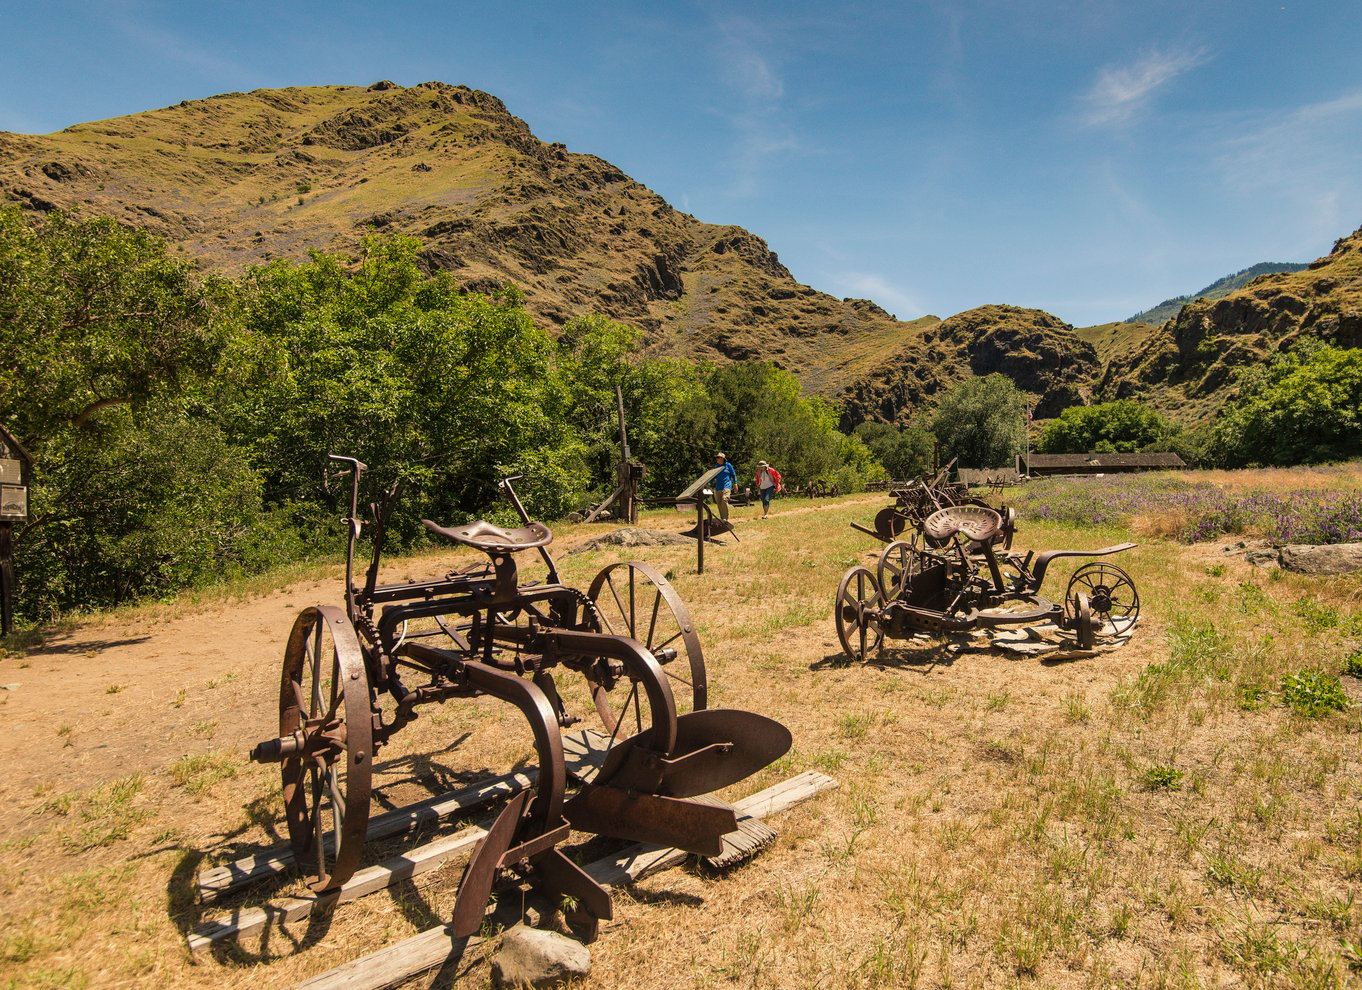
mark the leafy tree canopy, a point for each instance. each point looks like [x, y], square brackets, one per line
[1121, 427]
[1303, 408]
[94, 315]
[982, 421]
[905, 452]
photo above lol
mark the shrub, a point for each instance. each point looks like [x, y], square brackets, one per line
[1313, 694]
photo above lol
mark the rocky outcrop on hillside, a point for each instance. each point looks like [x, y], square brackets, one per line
[1188, 365]
[1038, 351]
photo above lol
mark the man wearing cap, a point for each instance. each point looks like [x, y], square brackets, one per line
[768, 483]
[723, 483]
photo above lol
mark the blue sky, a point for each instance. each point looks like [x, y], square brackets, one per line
[1088, 158]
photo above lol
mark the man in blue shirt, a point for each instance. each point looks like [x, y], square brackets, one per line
[723, 484]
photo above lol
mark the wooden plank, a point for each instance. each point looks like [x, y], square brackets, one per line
[436, 946]
[396, 963]
[584, 753]
[217, 882]
[249, 921]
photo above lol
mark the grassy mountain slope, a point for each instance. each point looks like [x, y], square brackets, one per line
[1218, 289]
[243, 177]
[1187, 366]
[1040, 352]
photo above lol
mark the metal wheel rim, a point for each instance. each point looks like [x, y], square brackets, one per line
[1111, 594]
[860, 636]
[656, 618]
[324, 673]
[897, 566]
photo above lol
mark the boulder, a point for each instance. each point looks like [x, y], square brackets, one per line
[530, 957]
[1263, 556]
[1335, 558]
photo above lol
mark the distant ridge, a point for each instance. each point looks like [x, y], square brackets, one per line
[1218, 289]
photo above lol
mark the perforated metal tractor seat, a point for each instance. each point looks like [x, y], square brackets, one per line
[490, 538]
[974, 522]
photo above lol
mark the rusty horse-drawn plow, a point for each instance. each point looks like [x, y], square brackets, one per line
[957, 573]
[352, 678]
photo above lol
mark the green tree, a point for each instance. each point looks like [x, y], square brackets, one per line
[594, 355]
[981, 421]
[95, 315]
[905, 452]
[1303, 408]
[1122, 427]
[375, 359]
[753, 411]
[102, 336]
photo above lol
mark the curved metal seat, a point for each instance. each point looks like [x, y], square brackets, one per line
[490, 538]
[974, 522]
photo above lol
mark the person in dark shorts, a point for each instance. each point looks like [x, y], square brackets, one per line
[768, 483]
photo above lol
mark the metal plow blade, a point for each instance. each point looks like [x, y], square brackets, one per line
[714, 748]
[476, 886]
[693, 826]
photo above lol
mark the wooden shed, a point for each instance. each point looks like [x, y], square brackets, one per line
[1041, 465]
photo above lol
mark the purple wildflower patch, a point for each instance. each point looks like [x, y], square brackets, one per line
[1299, 516]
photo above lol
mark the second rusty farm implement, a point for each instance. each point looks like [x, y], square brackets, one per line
[956, 573]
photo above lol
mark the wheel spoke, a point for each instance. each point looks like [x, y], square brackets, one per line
[652, 622]
[624, 612]
[667, 642]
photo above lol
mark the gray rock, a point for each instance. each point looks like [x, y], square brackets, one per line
[529, 957]
[630, 536]
[1337, 558]
[1263, 557]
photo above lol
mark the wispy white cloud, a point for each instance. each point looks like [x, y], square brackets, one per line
[135, 22]
[1304, 162]
[1122, 91]
[756, 111]
[879, 290]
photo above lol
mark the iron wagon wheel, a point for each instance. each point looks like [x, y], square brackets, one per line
[324, 704]
[634, 599]
[899, 563]
[1111, 595]
[859, 633]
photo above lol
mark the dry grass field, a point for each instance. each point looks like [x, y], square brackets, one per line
[1184, 812]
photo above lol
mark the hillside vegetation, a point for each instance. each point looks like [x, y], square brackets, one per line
[243, 178]
[1190, 365]
[1218, 289]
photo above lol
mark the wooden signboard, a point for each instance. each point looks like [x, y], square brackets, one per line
[15, 465]
[13, 503]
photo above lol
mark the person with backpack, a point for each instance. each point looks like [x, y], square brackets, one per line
[768, 483]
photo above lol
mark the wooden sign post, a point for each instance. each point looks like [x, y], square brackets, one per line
[16, 465]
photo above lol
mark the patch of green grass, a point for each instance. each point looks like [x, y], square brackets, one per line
[854, 725]
[109, 813]
[1224, 870]
[1352, 663]
[1216, 570]
[1251, 696]
[1197, 651]
[1313, 694]
[197, 773]
[1315, 615]
[1162, 777]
